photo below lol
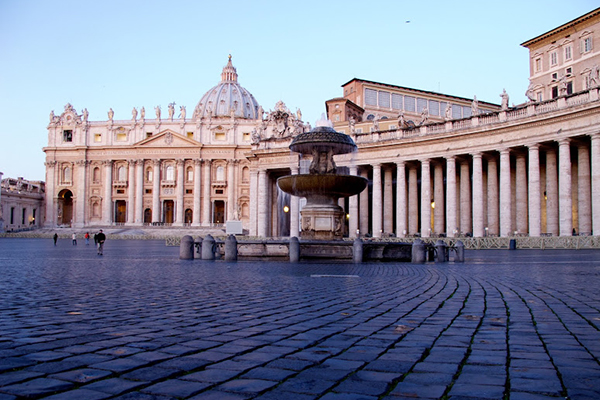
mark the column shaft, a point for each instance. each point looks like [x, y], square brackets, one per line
[493, 197]
[388, 202]
[413, 201]
[295, 209]
[564, 188]
[156, 192]
[197, 189]
[595, 182]
[401, 226]
[139, 192]
[107, 201]
[131, 193]
[439, 218]
[364, 207]
[551, 193]
[505, 194]
[521, 193]
[206, 206]
[180, 187]
[425, 199]
[535, 207]
[352, 205]
[477, 195]
[584, 190]
[466, 225]
[451, 223]
[376, 210]
[263, 203]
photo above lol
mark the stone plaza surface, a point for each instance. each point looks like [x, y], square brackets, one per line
[138, 323]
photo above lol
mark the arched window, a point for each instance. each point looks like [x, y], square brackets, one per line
[96, 175]
[121, 174]
[170, 173]
[149, 175]
[245, 174]
[189, 174]
[245, 210]
[220, 173]
[67, 174]
[95, 209]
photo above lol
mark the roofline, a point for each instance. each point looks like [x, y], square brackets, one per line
[561, 28]
[420, 91]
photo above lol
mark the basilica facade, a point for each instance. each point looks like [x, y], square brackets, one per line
[437, 165]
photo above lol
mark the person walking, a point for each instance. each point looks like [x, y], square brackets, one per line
[74, 239]
[101, 237]
[55, 237]
[87, 238]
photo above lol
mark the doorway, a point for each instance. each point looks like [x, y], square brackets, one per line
[218, 212]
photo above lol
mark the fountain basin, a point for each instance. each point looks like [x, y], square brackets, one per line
[322, 188]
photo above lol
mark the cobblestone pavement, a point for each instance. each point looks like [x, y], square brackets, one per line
[138, 323]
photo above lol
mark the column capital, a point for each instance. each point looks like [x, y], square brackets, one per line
[50, 164]
[82, 163]
[564, 142]
[197, 162]
[425, 161]
[140, 161]
[477, 155]
[534, 146]
[107, 163]
[207, 163]
[156, 162]
[595, 135]
[180, 162]
[504, 151]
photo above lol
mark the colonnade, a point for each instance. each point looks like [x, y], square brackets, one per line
[538, 189]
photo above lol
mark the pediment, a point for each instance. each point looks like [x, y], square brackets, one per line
[167, 138]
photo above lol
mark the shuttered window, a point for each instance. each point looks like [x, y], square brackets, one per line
[370, 97]
[396, 101]
[384, 99]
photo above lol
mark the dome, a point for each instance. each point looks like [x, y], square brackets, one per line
[227, 96]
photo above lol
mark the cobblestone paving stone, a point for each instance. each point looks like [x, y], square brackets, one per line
[138, 323]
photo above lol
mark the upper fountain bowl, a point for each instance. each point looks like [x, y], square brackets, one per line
[324, 139]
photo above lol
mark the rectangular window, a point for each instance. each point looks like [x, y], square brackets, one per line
[68, 135]
[587, 44]
[568, 52]
[24, 211]
[190, 135]
[539, 96]
[466, 111]
[359, 130]
[570, 87]
[12, 215]
[409, 103]
[421, 104]
[538, 65]
[148, 191]
[189, 191]
[246, 137]
[554, 58]
[120, 191]
[569, 71]
[219, 135]
[555, 76]
[443, 106]
[396, 101]
[121, 137]
[370, 97]
[148, 134]
[219, 191]
[554, 92]
[384, 99]
[434, 107]
[97, 137]
[456, 111]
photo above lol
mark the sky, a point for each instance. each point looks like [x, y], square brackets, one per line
[124, 54]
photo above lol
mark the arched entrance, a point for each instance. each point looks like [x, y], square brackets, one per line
[188, 216]
[65, 207]
[218, 212]
[168, 208]
[120, 211]
[147, 216]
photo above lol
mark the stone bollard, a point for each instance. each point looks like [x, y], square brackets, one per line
[186, 248]
[198, 248]
[418, 251]
[460, 252]
[440, 248]
[208, 245]
[357, 250]
[294, 249]
[231, 252]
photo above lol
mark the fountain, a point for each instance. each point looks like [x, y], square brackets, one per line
[322, 218]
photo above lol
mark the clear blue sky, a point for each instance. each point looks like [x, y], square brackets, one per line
[125, 54]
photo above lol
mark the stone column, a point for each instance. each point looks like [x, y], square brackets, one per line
[50, 194]
[81, 198]
[451, 223]
[595, 182]
[156, 191]
[376, 209]
[584, 190]
[388, 202]
[521, 193]
[197, 189]
[401, 226]
[231, 189]
[179, 207]
[131, 192]
[492, 198]
[263, 203]
[425, 198]
[139, 192]
[364, 207]
[551, 193]
[564, 188]
[465, 198]
[206, 206]
[413, 201]
[253, 229]
[295, 209]
[505, 194]
[438, 199]
[535, 207]
[352, 205]
[478, 195]
[107, 207]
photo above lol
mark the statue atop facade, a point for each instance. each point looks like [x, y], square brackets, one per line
[448, 112]
[157, 111]
[261, 113]
[424, 116]
[85, 114]
[171, 110]
[530, 94]
[111, 114]
[594, 77]
[134, 114]
[504, 102]
[352, 125]
[474, 107]
[376, 123]
[142, 113]
[401, 120]
[182, 112]
[562, 86]
[299, 114]
[52, 116]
